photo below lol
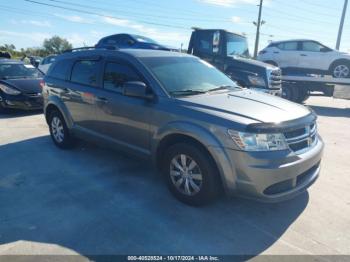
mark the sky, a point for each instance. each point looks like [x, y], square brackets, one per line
[27, 24]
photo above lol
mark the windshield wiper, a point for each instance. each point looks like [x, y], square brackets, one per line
[187, 92]
[223, 87]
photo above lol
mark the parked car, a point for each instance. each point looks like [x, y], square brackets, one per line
[19, 86]
[46, 63]
[205, 133]
[130, 41]
[5, 54]
[306, 56]
[35, 60]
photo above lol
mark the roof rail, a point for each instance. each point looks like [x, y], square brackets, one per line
[89, 48]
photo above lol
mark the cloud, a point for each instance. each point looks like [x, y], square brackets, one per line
[36, 37]
[43, 23]
[75, 18]
[228, 3]
[236, 19]
[145, 30]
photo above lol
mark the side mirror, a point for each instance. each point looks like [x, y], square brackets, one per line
[137, 89]
[324, 49]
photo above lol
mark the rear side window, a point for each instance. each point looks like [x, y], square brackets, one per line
[205, 42]
[117, 74]
[288, 46]
[85, 72]
[60, 70]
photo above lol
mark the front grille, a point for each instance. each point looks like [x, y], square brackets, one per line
[275, 78]
[301, 139]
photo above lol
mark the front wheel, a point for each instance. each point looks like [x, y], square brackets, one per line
[341, 70]
[191, 174]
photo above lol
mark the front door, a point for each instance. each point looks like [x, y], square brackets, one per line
[121, 118]
[312, 56]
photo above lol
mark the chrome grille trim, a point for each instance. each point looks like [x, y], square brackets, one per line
[274, 77]
[302, 143]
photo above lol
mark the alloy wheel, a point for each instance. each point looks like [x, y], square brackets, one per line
[185, 175]
[57, 129]
[341, 71]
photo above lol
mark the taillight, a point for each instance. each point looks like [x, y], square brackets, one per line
[42, 84]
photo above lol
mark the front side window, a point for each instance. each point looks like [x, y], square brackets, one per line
[85, 72]
[312, 46]
[117, 74]
[183, 74]
[12, 71]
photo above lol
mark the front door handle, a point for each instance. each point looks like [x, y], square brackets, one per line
[303, 55]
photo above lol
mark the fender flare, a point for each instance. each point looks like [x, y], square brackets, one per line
[54, 101]
[207, 139]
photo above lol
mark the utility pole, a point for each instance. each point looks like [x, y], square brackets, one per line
[258, 30]
[340, 32]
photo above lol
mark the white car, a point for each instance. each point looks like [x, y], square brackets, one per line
[307, 56]
[46, 63]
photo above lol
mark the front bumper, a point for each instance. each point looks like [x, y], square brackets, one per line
[273, 176]
[22, 101]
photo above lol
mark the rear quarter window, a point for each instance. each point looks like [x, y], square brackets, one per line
[85, 72]
[60, 70]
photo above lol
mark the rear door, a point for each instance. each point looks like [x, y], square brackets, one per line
[286, 54]
[79, 93]
[121, 118]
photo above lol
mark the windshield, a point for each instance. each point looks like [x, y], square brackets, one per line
[237, 45]
[8, 71]
[187, 75]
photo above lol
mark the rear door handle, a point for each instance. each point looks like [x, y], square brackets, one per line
[303, 55]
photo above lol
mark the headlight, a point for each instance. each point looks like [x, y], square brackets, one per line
[8, 90]
[256, 80]
[258, 142]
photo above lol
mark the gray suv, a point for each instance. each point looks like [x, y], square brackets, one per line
[202, 131]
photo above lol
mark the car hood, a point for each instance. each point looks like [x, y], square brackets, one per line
[252, 62]
[247, 107]
[24, 85]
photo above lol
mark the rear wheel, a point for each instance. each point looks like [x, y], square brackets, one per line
[59, 131]
[190, 173]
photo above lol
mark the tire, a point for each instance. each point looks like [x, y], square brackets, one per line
[301, 95]
[59, 132]
[290, 92]
[199, 174]
[340, 69]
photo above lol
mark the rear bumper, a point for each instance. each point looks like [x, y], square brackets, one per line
[22, 102]
[273, 176]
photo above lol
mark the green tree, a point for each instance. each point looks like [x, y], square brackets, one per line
[56, 45]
